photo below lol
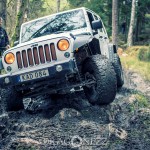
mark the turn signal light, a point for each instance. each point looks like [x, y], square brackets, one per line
[63, 45]
[9, 58]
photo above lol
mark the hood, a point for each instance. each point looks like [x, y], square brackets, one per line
[40, 39]
[79, 38]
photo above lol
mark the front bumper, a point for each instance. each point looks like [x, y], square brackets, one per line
[14, 79]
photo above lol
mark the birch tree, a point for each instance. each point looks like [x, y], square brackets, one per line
[115, 22]
[132, 23]
[58, 5]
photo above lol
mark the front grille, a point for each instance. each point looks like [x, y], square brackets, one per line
[36, 55]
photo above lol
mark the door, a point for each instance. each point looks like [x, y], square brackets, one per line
[103, 38]
[96, 42]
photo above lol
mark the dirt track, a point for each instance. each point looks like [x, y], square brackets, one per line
[74, 124]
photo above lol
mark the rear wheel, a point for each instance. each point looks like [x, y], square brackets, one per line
[100, 70]
[12, 100]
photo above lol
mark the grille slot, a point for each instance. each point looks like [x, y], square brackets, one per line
[36, 55]
[47, 53]
[24, 57]
[41, 54]
[53, 51]
[19, 61]
[30, 57]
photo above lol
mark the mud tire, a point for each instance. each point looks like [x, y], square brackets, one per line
[104, 91]
[11, 99]
[118, 71]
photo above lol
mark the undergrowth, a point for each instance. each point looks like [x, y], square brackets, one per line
[132, 61]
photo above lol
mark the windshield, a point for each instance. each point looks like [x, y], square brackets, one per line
[53, 24]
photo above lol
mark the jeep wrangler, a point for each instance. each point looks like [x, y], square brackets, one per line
[59, 54]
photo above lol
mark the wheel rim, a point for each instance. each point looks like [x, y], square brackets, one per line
[121, 74]
[91, 89]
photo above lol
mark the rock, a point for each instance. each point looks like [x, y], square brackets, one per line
[118, 132]
[120, 51]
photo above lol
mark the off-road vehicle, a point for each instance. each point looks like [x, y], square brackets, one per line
[59, 54]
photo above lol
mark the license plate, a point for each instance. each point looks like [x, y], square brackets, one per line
[34, 75]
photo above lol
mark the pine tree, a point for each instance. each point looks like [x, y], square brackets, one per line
[132, 23]
[58, 5]
[115, 22]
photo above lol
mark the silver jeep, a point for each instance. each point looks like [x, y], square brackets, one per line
[58, 54]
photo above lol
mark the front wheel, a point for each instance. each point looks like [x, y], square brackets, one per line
[12, 99]
[118, 70]
[100, 70]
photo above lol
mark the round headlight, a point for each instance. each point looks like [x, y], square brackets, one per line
[9, 58]
[63, 45]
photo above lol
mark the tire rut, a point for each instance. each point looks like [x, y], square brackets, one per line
[73, 123]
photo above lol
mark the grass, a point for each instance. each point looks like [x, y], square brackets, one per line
[144, 54]
[26, 147]
[142, 100]
[131, 61]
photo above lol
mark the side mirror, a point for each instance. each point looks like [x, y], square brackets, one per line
[16, 43]
[97, 24]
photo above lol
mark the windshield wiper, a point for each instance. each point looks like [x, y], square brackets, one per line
[38, 31]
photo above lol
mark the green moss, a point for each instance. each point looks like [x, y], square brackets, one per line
[144, 54]
[131, 108]
[131, 61]
[26, 148]
[142, 100]
[147, 16]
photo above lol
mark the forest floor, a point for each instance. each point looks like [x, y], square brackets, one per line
[74, 124]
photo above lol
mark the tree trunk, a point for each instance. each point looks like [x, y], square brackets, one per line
[13, 7]
[115, 22]
[132, 22]
[18, 3]
[109, 14]
[58, 5]
[25, 16]
[137, 30]
[3, 13]
[22, 17]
